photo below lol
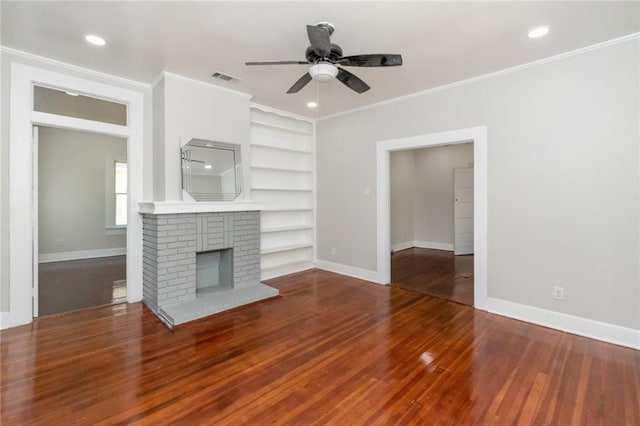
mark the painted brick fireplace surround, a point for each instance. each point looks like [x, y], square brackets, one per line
[173, 235]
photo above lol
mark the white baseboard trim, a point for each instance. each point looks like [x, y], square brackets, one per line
[402, 246]
[610, 333]
[421, 244]
[286, 270]
[4, 320]
[433, 245]
[350, 271]
[82, 254]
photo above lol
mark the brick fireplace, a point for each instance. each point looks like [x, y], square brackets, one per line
[184, 243]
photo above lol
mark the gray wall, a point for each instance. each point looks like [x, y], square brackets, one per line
[71, 190]
[421, 190]
[402, 185]
[562, 179]
[433, 208]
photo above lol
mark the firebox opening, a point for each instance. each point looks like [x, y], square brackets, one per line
[214, 270]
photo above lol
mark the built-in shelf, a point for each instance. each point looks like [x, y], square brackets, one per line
[288, 267]
[300, 151]
[289, 247]
[284, 160]
[287, 228]
[280, 127]
[280, 169]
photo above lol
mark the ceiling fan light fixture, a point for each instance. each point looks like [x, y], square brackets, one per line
[323, 71]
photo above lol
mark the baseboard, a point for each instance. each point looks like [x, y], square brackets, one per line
[82, 254]
[421, 244]
[4, 320]
[402, 246]
[286, 270]
[605, 332]
[433, 245]
[350, 271]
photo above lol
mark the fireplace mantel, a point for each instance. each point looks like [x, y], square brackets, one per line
[180, 207]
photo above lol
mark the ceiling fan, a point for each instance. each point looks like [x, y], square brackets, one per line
[325, 57]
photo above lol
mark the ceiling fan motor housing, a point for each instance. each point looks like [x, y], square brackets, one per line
[312, 56]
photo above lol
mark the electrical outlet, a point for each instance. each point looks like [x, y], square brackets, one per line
[333, 251]
[558, 293]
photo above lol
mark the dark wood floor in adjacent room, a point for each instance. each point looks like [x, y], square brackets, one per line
[78, 284]
[330, 350]
[434, 272]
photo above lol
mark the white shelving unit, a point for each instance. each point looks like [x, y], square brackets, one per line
[283, 177]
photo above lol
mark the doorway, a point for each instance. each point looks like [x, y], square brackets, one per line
[22, 208]
[476, 135]
[81, 219]
[431, 221]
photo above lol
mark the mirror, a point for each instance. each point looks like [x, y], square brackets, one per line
[211, 171]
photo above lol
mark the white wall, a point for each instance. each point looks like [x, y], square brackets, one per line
[563, 173]
[71, 190]
[7, 58]
[193, 109]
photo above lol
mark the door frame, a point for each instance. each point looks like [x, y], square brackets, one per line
[477, 135]
[22, 216]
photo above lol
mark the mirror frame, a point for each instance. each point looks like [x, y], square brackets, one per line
[217, 145]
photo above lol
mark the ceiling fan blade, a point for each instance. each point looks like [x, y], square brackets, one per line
[351, 81]
[373, 60]
[277, 63]
[319, 38]
[303, 81]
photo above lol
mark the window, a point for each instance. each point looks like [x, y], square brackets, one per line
[115, 195]
[120, 175]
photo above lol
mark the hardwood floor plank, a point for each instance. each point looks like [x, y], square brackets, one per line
[435, 273]
[330, 350]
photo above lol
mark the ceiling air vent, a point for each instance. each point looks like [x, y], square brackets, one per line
[224, 77]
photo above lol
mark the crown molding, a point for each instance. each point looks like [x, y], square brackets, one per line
[283, 113]
[75, 68]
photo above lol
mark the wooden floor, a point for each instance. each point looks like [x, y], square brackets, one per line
[435, 273]
[78, 284]
[330, 350]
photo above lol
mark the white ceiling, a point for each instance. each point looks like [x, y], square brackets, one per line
[441, 42]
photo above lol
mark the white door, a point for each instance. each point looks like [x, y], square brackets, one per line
[34, 193]
[463, 211]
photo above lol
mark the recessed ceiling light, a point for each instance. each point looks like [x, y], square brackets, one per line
[94, 39]
[538, 31]
[312, 104]
[71, 93]
[208, 166]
